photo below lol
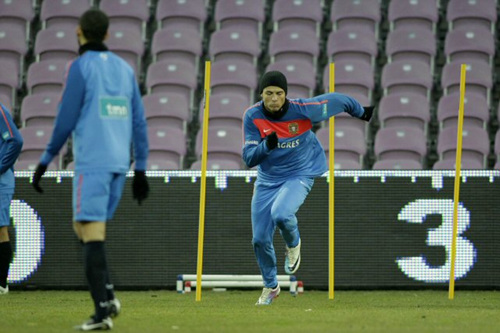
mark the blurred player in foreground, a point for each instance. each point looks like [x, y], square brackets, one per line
[278, 138]
[102, 107]
[10, 148]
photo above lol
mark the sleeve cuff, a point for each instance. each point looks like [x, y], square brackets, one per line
[140, 165]
[267, 151]
[46, 158]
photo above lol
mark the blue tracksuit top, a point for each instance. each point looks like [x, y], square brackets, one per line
[10, 148]
[299, 153]
[102, 106]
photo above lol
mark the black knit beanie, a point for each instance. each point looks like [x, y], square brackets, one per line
[273, 78]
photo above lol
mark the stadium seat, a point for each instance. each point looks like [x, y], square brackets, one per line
[476, 111]
[470, 43]
[30, 165]
[225, 110]
[397, 164]
[412, 110]
[450, 164]
[294, 44]
[127, 14]
[17, 14]
[167, 144]
[166, 110]
[475, 144]
[350, 145]
[9, 81]
[172, 76]
[360, 13]
[352, 77]
[224, 143]
[467, 13]
[5, 100]
[400, 143]
[46, 76]
[54, 13]
[294, 13]
[163, 165]
[39, 109]
[478, 78]
[240, 13]
[56, 44]
[300, 76]
[181, 13]
[234, 77]
[160, 164]
[235, 44]
[346, 165]
[411, 43]
[177, 43]
[127, 43]
[412, 76]
[35, 139]
[217, 164]
[352, 43]
[421, 13]
[13, 47]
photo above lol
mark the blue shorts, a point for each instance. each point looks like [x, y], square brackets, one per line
[5, 200]
[96, 195]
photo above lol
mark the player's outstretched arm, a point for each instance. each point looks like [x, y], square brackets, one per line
[324, 106]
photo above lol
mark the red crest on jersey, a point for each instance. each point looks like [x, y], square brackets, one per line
[293, 128]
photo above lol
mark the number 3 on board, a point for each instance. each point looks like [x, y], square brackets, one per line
[417, 267]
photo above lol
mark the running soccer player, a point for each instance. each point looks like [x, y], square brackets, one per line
[102, 107]
[279, 140]
[10, 148]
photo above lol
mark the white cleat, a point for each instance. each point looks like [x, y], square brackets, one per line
[93, 325]
[114, 308]
[267, 296]
[292, 259]
[4, 291]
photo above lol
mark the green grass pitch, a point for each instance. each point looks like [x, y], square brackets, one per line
[234, 311]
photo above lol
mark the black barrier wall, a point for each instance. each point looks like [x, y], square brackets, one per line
[392, 230]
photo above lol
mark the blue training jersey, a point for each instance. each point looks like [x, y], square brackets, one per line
[299, 152]
[102, 107]
[10, 148]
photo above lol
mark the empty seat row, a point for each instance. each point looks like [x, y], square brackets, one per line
[395, 147]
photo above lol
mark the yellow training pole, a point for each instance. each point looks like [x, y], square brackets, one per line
[458, 161]
[201, 228]
[331, 193]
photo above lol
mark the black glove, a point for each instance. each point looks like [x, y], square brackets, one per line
[140, 187]
[367, 115]
[272, 140]
[40, 170]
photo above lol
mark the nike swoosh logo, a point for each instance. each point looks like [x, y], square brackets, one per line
[267, 130]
